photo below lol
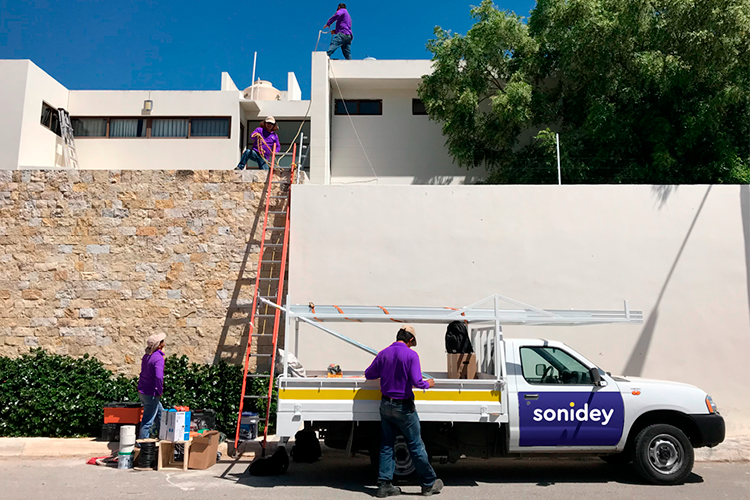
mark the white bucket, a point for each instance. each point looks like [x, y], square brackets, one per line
[127, 435]
[127, 448]
[124, 460]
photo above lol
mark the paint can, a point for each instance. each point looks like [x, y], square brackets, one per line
[248, 426]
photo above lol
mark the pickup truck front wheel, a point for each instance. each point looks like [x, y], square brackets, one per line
[662, 454]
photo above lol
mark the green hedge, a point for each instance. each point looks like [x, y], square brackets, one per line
[43, 394]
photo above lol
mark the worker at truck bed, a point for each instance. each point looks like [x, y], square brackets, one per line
[264, 139]
[398, 369]
[342, 35]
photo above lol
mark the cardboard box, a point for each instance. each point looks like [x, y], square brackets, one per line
[163, 424]
[177, 426]
[462, 366]
[203, 450]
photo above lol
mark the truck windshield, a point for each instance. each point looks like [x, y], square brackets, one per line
[550, 365]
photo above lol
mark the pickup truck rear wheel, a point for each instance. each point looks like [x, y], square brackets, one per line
[662, 454]
[404, 467]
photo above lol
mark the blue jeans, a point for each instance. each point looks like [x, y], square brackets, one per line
[251, 154]
[343, 41]
[151, 411]
[400, 415]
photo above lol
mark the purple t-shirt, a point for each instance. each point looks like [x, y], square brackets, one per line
[343, 22]
[151, 381]
[398, 369]
[265, 149]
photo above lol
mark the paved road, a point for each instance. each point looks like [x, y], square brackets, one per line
[336, 478]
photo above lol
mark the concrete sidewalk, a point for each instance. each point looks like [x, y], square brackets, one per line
[62, 447]
[733, 449]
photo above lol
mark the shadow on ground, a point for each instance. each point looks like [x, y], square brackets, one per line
[334, 470]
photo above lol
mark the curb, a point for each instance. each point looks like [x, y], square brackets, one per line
[733, 449]
[62, 448]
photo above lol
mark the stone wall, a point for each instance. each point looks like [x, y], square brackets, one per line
[96, 261]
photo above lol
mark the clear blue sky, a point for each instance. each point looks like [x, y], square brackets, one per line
[170, 45]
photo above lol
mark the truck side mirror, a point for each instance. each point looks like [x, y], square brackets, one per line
[540, 370]
[595, 377]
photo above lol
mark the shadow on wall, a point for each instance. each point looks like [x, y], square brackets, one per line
[637, 360]
[238, 312]
[663, 193]
[745, 208]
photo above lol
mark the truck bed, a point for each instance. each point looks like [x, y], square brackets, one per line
[354, 399]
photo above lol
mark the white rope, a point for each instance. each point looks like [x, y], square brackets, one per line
[335, 80]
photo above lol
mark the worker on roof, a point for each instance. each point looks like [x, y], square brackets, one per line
[264, 139]
[398, 369]
[342, 35]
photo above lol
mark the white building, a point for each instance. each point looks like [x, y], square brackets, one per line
[385, 139]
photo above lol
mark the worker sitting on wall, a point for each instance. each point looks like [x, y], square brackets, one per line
[264, 139]
[342, 35]
[398, 369]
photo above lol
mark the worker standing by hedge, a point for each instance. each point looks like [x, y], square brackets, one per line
[342, 35]
[398, 369]
[151, 383]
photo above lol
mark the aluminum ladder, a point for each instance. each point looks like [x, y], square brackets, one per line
[68, 141]
[264, 321]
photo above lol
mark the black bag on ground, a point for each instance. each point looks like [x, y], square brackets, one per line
[457, 339]
[275, 465]
[306, 447]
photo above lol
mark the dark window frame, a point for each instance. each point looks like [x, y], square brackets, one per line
[106, 128]
[356, 112]
[149, 123]
[54, 119]
[415, 108]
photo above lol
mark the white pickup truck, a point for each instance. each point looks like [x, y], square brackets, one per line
[531, 397]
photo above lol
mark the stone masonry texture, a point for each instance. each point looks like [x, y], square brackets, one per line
[96, 261]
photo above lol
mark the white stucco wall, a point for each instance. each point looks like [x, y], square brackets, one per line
[320, 120]
[39, 146]
[403, 148]
[152, 153]
[587, 247]
[13, 76]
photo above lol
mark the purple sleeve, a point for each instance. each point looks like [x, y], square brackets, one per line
[333, 19]
[278, 144]
[415, 374]
[373, 371]
[159, 374]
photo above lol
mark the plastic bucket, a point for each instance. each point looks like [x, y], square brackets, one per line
[125, 460]
[127, 435]
[127, 449]
[248, 426]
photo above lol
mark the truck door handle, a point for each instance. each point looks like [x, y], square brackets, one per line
[531, 396]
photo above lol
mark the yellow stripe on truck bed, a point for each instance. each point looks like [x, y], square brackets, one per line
[374, 395]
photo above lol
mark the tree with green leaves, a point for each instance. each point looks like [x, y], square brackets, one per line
[639, 91]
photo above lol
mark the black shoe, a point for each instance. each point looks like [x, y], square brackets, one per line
[387, 490]
[239, 167]
[434, 489]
